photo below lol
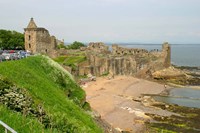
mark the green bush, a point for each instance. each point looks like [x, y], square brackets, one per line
[75, 45]
[21, 123]
[61, 46]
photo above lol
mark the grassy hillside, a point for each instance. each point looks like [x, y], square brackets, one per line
[20, 123]
[51, 87]
[71, 60]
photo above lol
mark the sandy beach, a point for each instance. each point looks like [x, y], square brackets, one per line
[113, 100]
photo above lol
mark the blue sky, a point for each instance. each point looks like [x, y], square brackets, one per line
[142, 21]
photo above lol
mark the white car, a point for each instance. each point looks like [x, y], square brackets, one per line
[6, 55]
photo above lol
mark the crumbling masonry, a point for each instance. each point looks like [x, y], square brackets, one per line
[100, 60]
[124, 61]
[38, 40]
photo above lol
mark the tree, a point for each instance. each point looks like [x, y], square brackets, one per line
[76, 45]
[11, 39]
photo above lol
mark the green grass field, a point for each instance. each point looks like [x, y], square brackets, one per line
[53, 87]
[71, 60]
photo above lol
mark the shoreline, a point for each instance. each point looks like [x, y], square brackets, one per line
[116, 101]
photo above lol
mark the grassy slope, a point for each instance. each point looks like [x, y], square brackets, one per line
[40, 78]
[71, 60]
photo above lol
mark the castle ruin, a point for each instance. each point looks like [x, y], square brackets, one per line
[38, 40]
[124, 61]
[100, 59]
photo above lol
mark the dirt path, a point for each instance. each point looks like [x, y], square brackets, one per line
[112, 99]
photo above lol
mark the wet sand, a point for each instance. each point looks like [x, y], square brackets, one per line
[113, 100]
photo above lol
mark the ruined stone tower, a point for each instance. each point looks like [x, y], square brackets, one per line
[166, 50]
[38, 40]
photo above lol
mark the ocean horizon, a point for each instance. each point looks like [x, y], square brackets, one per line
[181, 54]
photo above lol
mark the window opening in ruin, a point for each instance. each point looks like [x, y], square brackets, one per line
[29, 45]
[46, 50]
[29, 37]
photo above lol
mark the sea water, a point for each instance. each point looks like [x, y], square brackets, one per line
[185, 55]
[182, 96]
[181, 55]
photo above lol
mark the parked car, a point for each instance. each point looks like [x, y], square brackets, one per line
[13, 54]
[6, 55]
[2, 58]
[1, 51]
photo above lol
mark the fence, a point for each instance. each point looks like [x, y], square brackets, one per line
[7, 128]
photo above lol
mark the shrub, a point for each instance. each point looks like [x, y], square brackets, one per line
[75, 45]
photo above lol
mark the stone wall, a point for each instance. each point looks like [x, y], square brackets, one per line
[38, 40]
[166, 51]
[124, 61]
[98, 47]
[44, 42]
[60, 42]
[116, 50]
[100, 60]
[30, 40]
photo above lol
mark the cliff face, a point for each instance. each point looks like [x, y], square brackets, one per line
[114, 65]
[124, 61]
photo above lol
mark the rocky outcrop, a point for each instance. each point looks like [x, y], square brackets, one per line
[177, 76]
[168, 73]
